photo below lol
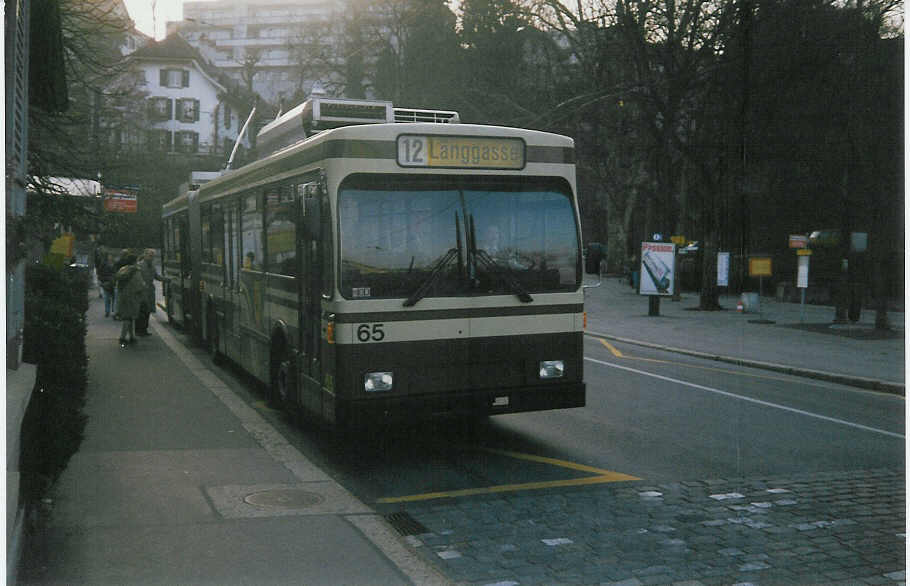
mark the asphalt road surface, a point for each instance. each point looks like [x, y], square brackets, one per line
[632, 487]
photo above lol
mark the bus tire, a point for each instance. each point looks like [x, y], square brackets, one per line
[213, 339]
[282, 385]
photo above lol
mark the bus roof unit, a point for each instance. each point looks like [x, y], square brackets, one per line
[320, 113]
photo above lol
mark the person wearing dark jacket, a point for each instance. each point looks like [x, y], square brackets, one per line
[149, 276]
[130, 292]
[106, 273]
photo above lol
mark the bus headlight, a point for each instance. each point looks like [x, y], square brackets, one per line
[552, 369]
[377, 381]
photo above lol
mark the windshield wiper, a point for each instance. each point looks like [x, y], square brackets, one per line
[438, 268]
[484, 259]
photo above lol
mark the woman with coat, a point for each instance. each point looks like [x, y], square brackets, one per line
[131, 291]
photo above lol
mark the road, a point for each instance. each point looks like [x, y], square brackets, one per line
[686, 430]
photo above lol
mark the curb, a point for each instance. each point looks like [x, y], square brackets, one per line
[841, 379]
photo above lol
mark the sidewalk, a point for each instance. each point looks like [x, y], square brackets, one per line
[803, 342]
[179, 481]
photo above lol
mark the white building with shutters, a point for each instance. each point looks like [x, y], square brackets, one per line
[190, 111]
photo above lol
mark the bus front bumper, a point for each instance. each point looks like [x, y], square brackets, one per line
[358, 413]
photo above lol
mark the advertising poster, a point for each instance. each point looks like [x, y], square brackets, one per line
[121, 199]
[657, 262]
[802, 272]
[723, 269]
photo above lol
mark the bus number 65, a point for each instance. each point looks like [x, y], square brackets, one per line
[370, 332]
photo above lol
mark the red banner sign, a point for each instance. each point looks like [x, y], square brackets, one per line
[121, 200]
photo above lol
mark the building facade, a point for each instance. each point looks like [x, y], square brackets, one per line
[258, 42]
[189, 110]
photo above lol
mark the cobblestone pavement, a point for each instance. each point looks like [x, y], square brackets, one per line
[832, 528]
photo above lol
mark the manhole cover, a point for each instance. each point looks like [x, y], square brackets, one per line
[283, 498]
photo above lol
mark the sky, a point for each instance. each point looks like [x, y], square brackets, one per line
[151, 22]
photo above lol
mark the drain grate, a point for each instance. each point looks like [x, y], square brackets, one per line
[405, 524]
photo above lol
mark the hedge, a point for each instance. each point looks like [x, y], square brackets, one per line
[56, 303]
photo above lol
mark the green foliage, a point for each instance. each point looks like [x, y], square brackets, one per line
[54, 339]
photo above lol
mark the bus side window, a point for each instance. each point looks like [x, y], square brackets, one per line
[251, 225]
[217, 235]
[228, 217]
[206, 233]
[235, 241]
[281, 231]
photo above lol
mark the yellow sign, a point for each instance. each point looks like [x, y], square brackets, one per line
[63, 245]
[804, 252]
[680, 240]
[760, 267]
[461, 152]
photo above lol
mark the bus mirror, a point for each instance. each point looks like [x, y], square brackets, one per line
[312, 217]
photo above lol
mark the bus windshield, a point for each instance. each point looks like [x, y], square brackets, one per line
[439, 236]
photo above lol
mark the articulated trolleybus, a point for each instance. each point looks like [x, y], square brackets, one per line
[383, 263]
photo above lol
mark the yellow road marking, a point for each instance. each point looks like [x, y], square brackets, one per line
[263, 406]
[588, 480]
[612, 348]
[550, 461]
[619, 354]
[600, 477]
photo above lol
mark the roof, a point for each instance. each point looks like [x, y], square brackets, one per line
[73, 186]
[175, 48]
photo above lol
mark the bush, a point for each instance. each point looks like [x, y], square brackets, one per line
[54, 339]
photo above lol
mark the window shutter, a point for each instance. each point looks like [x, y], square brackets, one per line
[169, 140]
[186, 79]
[196, 110]
[170, 108]
[162, 78]
[195, 142]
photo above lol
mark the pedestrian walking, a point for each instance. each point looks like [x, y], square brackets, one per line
[106, 274]
[119, 264]
[97, 259]
[149, 276]
[130, 292]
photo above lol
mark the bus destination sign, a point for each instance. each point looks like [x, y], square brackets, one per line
[460, 152]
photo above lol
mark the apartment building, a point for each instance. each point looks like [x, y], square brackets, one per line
[258, 39]
[189, 110]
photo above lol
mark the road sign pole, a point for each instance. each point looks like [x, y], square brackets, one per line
[802, 306]
[654, 305]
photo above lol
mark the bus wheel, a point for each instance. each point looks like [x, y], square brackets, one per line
[283, 386]
[213, 340]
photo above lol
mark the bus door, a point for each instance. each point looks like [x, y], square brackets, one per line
[251, 303]
[310, 251]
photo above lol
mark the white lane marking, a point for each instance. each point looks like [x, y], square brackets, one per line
[748, 399]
